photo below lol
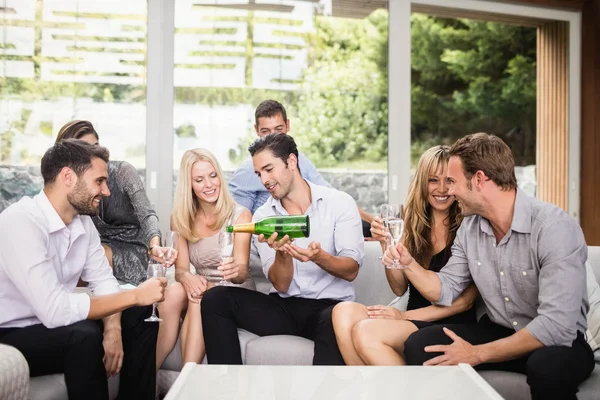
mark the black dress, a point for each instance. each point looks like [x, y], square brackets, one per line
[416, 299]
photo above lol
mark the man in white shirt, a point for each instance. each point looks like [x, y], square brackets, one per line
[270, 117]
[49, 242]
[309, 275]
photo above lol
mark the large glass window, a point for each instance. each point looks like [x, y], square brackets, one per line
[474, 76]
[330, 73]
[62, 60]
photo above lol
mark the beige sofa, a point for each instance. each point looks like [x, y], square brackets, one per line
[371, 288]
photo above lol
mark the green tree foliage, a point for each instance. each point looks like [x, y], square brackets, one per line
[470, 76]
[467, 76]
[341, 115]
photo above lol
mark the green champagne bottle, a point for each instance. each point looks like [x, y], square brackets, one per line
[295, 226]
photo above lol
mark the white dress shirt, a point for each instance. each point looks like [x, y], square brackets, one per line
[248, 191]
[41, 261]
[335, 223]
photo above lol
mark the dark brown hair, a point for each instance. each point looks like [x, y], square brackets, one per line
[73, 153]
[280, 145]
[268, 109]
[76, 130]
[487, 153]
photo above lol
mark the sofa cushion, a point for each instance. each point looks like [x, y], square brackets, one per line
[52, 387]
[594, 259]
[513, 386]
[371, 285]
[590, 389]
[509, 385]
[279, 350]
[174, 361]
[14, 374]
[593, 316]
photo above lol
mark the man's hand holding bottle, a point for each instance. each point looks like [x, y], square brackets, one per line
[287, 246]
[273, 241]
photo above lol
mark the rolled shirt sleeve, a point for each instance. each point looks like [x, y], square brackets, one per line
[97, 271]
[28, 263]
[455, 277]
[348, 237]
[562, 276]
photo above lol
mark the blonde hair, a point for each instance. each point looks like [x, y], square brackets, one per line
[418, 219]
[187, 204]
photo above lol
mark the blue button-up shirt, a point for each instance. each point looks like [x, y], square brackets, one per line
[335, 223]
[248, 191]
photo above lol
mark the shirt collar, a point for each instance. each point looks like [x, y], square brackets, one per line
[55, 222]
[316, 193]
[522, 213]
[521, 221]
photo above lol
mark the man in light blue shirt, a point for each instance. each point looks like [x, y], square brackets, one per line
[309, 275]
[246, 187]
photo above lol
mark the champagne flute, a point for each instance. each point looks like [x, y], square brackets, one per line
[396, 229]
[384, 215]
[226, 251]
[170, 242]
[155, 270]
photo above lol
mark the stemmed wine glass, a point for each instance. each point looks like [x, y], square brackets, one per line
[170, 242]
[384, 215]
[155, 270]
[225, 250]
[395, 225]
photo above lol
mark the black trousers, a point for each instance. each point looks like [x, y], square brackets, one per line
[76, 351]
[225, 309]
[553, 372]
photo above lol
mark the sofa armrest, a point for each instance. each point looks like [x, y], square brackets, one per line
[14, 374]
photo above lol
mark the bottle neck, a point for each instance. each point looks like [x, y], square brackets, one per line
[245, 228]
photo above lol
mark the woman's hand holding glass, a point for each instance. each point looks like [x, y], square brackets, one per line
[397, 253]
[379, 231]
[194, 285]
[229, 268]
[166, 254]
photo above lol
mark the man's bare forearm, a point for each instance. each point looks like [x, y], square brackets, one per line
[340, 267]
[281, 272]
[113, 321]
[434, 313]
[426, 282]
[106, 305]
[509, 348]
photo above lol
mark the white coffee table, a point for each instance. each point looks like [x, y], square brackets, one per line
[264, 382]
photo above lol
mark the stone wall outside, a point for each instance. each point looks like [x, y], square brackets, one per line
[369, 188]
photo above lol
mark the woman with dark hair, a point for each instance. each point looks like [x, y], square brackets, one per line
[375, 335]
[126, 222]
